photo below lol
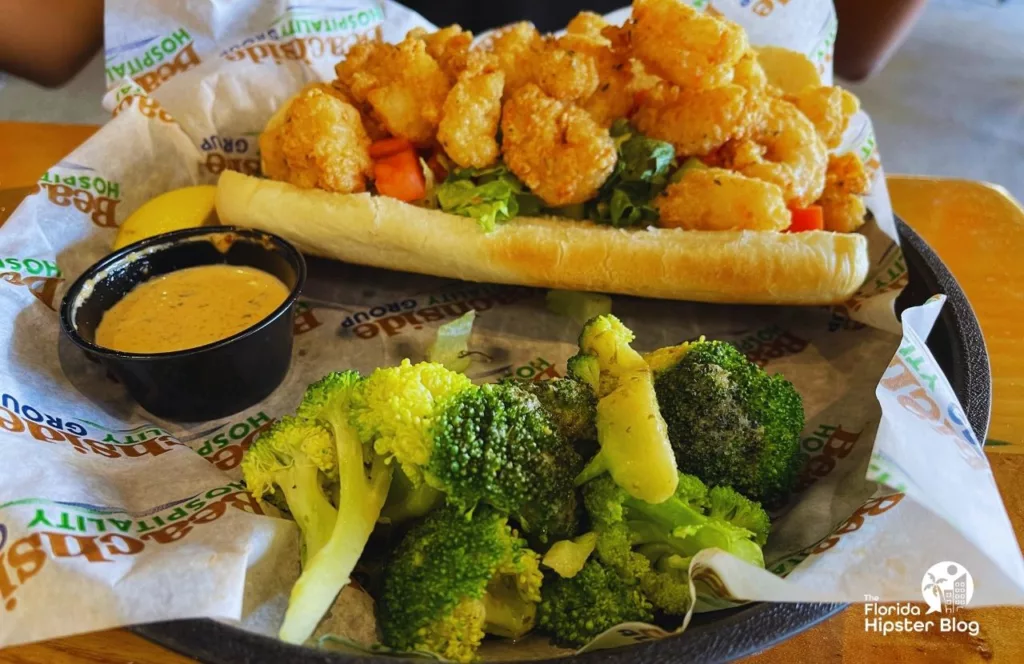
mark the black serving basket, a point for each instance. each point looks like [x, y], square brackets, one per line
[958, 346]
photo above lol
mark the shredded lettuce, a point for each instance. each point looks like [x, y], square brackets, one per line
[489, 195]
[429, 200]
[641, 173]
[451, 347]
[580, 307]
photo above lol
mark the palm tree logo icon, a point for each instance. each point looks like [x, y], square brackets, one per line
[947, 585]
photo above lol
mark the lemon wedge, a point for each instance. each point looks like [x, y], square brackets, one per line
[188, 207]
[787, 70]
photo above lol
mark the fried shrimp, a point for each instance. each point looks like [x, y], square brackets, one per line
[714, 199]
[374, 129]
[405, 87]
[554, 147]
[612, 97]
[317, 141]
[587, 24]
[470, 119]
[684, 46]
[565, 68]
[749, 73]
[566, 74]
[829, 108]
[516, 47]
[795, 157]
[845, 183]
[699, 121]
[448, 46]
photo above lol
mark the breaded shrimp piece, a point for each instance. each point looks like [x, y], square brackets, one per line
[554, 147]
[749, 73]
[795, 157]
[449, 46]
[612, 97]
[699, 121]
[587, 24]
[829, 108]
[469, 123]
[516, 47]
[714, 199]
[317, 141]
[684, 46]
[374, 129]
[404, 86]
[845, 183]
[565, 73]
[736, 155]
[561, 71]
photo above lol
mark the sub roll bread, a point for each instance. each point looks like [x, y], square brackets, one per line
[614, 159]
[753, 267]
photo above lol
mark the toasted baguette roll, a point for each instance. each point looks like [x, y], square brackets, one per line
[755, 267]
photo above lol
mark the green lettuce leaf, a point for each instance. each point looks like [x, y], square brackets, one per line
[490, 195]
[641, 173]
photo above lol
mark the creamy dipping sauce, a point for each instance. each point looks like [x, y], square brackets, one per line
[190, 308]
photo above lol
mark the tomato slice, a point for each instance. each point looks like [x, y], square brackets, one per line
[810, 218]
[400, 176]
[389, 146]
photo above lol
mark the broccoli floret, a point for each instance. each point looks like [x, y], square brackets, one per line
[396, 406]
[363, 481]
[495, 444]
[634, 440]
[571, 404]
[454, 577]
[577, 609]
[730, 423]
[290, 456]
[653, 543]
[729, 505]
[490, 443]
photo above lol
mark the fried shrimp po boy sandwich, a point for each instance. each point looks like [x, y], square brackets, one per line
[658, 159]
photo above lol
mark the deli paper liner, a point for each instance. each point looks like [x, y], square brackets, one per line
[110, 517]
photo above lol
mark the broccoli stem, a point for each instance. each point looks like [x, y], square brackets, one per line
[406, 501]
[596, 467]
[686, 530]
[361, 499]
[670, 514]
[310, 508]
[507, 613]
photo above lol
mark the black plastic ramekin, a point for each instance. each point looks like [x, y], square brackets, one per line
[209, 381]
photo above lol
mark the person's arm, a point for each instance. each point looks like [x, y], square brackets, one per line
[870, 31]
[49, 41]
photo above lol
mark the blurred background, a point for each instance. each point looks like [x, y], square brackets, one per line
[943, 80]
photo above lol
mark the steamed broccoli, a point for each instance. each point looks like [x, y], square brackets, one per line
[396, 406]
[634, 441]
[363, 481]
[571, 404]
[495, 444]
[577, 609]
[491, 443]
[408, 501]
[291, 456]
[730, 423]
[454, 577]
[652, 544]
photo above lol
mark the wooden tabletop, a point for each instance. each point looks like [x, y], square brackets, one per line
[978, 231]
